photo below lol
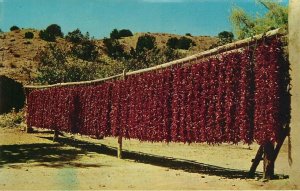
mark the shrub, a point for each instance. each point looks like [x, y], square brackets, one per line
[188, 34]
[51, 32]
[114, 34]
[76, 36]
[86, 50]
[46, 36]
[225, 37]
[113, 48]
[181, 43]
[185, 43]
[54, 30]
[29, 35]
[172, 43]
[145, 42]
[14, 28]
[12, 119]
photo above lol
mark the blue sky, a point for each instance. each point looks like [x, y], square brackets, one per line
[99, 17]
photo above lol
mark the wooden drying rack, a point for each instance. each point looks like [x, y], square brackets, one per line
[267, 152]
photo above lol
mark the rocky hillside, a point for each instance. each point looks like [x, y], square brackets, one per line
[17, 54]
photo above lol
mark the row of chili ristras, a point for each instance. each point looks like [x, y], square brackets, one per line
[230, 98]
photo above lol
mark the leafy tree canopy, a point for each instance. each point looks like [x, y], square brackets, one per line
[246, 25]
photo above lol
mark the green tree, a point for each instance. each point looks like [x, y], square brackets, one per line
[245, 25]
[57, 65]
[51, 62]
[145, 42]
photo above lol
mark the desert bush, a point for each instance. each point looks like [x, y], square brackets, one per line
[14, 28]
[29, 35]
[54, 30]
[46, 36]
[12, 119]
[113, 48]
[86, 50]
[172, 42]
[76, 36]
[185, 43]
[181, 43]
[145, 42]
[51, 32]
[225, 37]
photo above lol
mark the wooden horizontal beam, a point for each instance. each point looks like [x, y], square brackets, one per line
[73, 83]
[220, 49]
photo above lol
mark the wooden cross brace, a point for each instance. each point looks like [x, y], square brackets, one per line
[268, 154]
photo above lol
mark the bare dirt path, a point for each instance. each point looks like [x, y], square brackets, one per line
[34, 161]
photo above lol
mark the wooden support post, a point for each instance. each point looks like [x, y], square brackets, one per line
[286, 132]
[120, 133]
[29, 129]
[120, 147]
[256, 161]
[268, 159]
[55, 135]
[268, 154]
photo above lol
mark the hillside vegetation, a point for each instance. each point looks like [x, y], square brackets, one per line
[20, 53]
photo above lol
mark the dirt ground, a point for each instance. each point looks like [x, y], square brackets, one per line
[34, 161]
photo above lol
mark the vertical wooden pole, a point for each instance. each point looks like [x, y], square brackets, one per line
[268, 160]
[55, 135]
[120, 133]
[28, 129]
[120, 147]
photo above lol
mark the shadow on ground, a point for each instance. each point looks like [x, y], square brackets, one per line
[162, 161]
[48, 155]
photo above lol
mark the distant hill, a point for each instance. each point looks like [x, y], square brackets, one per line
[17, 54]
